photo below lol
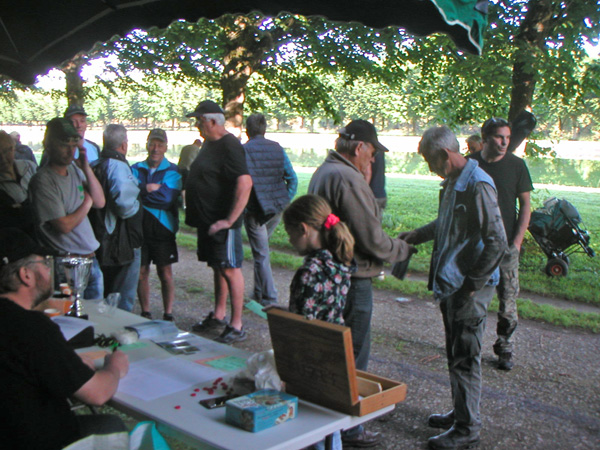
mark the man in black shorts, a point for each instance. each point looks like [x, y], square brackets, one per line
[160, 186]
[217, 190]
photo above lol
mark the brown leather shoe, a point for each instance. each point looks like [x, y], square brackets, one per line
[363, 440]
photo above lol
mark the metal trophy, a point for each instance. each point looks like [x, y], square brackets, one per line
[77, 272]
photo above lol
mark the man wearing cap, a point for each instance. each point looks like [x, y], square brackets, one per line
[160, 186]
[340, 180]
[39, 371]
[118, 226]
[218, 188]
[62, 195]
[78, 117]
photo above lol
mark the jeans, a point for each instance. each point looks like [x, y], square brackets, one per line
[258, 236]
[95, 286]
[464, 314]
[124, 279]
[357, 316]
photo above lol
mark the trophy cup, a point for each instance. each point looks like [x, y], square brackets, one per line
[77, 272]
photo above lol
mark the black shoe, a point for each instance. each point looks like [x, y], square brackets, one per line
[504, 361]
[146, 315]
[363, 440]
[210, 322]
[231, 335]
[444, 421]
[454, 440]
[168, 317]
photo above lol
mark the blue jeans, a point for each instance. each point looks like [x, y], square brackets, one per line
[124, 279]
[357, 316]
[95, 287]
[258, 237]
[336, 443]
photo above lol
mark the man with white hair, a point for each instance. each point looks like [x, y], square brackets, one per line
[218, 188]
[22, 151]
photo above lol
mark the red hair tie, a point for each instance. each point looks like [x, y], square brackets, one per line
[332, 219]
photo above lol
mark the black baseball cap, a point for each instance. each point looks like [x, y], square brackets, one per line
[361, 130]
[15, 244]
[74, 109]
[157, 133]
[206, 107]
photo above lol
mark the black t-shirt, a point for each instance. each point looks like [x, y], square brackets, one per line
[511, 178]
[210, 185]
[38, 372]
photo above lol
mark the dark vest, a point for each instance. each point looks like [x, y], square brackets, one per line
[269, 192]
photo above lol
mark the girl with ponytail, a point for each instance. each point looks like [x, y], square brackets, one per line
[320, 286]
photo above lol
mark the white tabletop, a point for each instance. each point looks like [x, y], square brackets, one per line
[179, 414]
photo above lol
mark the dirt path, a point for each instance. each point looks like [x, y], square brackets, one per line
[551, 400]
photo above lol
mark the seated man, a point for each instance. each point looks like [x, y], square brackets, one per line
[38, 369]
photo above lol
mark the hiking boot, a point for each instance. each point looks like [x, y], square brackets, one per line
[231, 335]
[454, 439]
[504, 361]
[364, 440]
[210, 322]
[146, 315]
[444, 421]
[168, 317]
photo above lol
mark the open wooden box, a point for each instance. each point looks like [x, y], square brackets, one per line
[315, 359]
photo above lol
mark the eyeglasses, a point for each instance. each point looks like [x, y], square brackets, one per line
[48, 261]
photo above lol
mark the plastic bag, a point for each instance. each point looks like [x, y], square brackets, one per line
[261, 368]
[145, 436]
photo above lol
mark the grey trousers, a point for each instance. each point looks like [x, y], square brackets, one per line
[258, 237]
[464, 322]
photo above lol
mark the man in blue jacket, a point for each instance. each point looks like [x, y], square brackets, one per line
[118, 226]
[160, 186]
[469, 243]
[274, 184]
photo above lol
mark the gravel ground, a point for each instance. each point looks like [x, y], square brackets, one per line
[550, 400]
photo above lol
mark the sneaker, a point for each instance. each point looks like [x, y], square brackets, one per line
[146, 315]
[210, 322]
[168, 317]
[231, 335]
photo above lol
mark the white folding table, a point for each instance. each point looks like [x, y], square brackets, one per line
[179, 414]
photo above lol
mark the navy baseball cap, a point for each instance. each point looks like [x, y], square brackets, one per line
[361, 130]
[206, 107]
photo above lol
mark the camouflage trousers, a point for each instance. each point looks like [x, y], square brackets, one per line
[507, 289]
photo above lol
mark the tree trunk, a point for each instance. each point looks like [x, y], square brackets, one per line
[72, 71]
[529, 42]
[246, 45]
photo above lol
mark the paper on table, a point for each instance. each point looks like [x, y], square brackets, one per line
[71, 326]
[152, 378]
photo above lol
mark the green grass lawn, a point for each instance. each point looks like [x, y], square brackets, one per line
[412, 202]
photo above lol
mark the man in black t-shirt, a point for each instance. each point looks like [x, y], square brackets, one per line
[217, 191]
[513, 182]
[38, 369]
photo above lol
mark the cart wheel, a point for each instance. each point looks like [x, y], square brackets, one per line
[556, 267]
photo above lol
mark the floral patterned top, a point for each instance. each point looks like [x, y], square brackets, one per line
[320, 286]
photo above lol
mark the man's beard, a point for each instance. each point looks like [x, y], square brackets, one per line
[44, 289]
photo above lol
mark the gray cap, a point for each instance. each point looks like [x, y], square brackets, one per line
[74, 109]
[157, 133]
